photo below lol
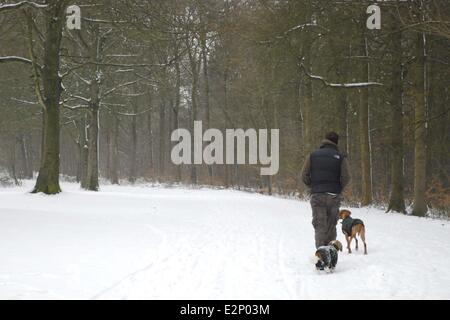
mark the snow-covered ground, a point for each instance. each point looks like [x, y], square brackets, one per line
[172, 243]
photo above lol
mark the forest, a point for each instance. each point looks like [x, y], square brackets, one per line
[98, 105]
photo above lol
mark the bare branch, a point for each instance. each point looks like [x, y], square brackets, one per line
[15, 59]
[121, 65]
[79, 98]
[79, 106]
[129, 114]
[24, 101]
[18, 5]
[339, 85]
[118, 87]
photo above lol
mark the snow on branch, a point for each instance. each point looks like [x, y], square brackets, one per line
[104, 21]
[18, 5]
[129, 114]
[77, 97]
[15, 59]
[113, 104]
[24, 101]
[120, 65]
[300, 27]
[122, 55]
[118, 87]
[79, 106]
[304, 25]
[139, 94]
[339, 85]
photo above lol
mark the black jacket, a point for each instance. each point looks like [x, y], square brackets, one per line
[348, 223]
[326, 169]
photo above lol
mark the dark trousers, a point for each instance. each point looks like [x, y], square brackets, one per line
[325, 215]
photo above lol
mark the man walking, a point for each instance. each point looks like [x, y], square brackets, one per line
[326, 173]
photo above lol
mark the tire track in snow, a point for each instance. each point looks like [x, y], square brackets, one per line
[186, 249]
[132, 274]
[282, 267]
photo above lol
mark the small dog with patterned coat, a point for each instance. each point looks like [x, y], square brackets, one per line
[327, 256]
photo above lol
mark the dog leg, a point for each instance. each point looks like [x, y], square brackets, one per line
[356, 247]
[348, 243]
[363, 238]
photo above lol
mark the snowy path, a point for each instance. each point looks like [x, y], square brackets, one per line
[155, 243]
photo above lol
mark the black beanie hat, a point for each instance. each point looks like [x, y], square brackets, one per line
[332, 136]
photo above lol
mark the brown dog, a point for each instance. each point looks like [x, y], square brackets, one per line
[352, 227]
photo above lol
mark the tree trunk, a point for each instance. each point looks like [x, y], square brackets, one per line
[94, 108]
[194, 111]
[84, 150]
[225, 107]
[364, 137]
[207, 93]
[133, 160]
[108, 149]
[12, 162]
[420, 123]
[94, 105]
[396, 200]
[307, 100]
[343, 122]
[48, 178]
[176, 108]
[115, 153]
[162, 135]
[150, 137]
[342, 96]
[92, 166]
[24, 150]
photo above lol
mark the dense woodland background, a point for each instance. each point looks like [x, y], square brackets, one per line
[103, 101]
